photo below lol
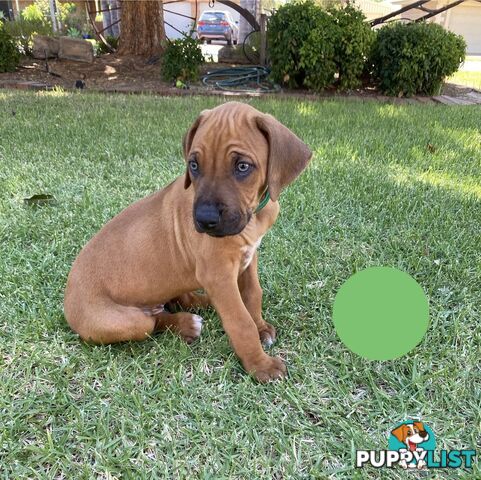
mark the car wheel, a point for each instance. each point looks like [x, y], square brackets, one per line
[209, 41]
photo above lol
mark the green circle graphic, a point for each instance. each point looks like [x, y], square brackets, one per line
[381, 313]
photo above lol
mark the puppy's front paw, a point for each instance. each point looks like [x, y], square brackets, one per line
[267, 334]
[269, 369]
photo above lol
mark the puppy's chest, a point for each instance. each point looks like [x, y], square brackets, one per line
[247, 253]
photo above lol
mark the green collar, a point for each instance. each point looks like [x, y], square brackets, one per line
[264, 201]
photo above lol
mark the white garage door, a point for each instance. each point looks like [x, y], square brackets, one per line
[181, 23]
[466, 21]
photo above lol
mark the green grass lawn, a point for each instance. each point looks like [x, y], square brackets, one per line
[468, 79]
[374, 194]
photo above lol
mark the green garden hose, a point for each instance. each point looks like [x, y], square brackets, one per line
[253, 79]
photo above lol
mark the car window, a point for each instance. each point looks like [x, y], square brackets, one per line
[213, 16]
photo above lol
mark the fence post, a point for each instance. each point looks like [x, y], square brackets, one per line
[263, 24]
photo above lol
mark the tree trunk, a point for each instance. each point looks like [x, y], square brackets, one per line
[142, 28]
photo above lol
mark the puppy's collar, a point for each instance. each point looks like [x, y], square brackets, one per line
[264, 201]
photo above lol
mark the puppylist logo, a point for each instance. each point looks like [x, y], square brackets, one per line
[412, 446]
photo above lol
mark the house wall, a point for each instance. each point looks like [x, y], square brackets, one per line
[218, 6]
[179, 22]
[464, 19]
[373, 9]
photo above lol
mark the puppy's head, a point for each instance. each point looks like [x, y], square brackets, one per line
[235, 153]
[411, 434]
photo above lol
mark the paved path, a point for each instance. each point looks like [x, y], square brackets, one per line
[211, 50]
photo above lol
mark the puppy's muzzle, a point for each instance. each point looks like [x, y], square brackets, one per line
[207, 217]
[217, 220]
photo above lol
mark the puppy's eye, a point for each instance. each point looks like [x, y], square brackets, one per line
[243, 167]
[193, 165]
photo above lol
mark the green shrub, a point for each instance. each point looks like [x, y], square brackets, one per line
[23, 31]
[317, 54]
[352, 46]
[289, 28]
[308, 45]
[415, 58]
[182, 60]
[31, 22]
[9, 56]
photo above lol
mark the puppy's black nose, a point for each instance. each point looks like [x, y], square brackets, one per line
[423, 433]
[207, 216]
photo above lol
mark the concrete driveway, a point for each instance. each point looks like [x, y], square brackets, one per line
[212, 50]
[472, 64]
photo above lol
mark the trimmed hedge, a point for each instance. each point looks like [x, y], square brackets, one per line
[309, 45]
[353, 45]
[316, 48]
[415, 58]
[317, 54]
[289, 29]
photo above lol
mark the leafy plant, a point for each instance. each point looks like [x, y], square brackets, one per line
[182, 60]
[65, 10]
[31, 22]
[103, 49]
[352, 45]
[33, 13]
[71, 16]
[9, 56]
[23, 31]
[74, 32]
[415, 58]
[317, 54]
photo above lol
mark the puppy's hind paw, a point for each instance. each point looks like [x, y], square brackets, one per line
[190, 327]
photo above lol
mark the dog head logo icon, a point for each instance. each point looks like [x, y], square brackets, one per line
[415, 437]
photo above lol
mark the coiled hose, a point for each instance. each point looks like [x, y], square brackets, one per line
[252, 79]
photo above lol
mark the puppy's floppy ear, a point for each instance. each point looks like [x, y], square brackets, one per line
[401, 432]
[288, 154]
[419, 426]
[187, 143]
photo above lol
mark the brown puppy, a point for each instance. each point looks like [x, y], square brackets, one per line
[201, 231]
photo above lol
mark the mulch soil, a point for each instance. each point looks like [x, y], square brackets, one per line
[110, 73]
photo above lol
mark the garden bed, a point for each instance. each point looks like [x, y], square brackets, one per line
[110, 73]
